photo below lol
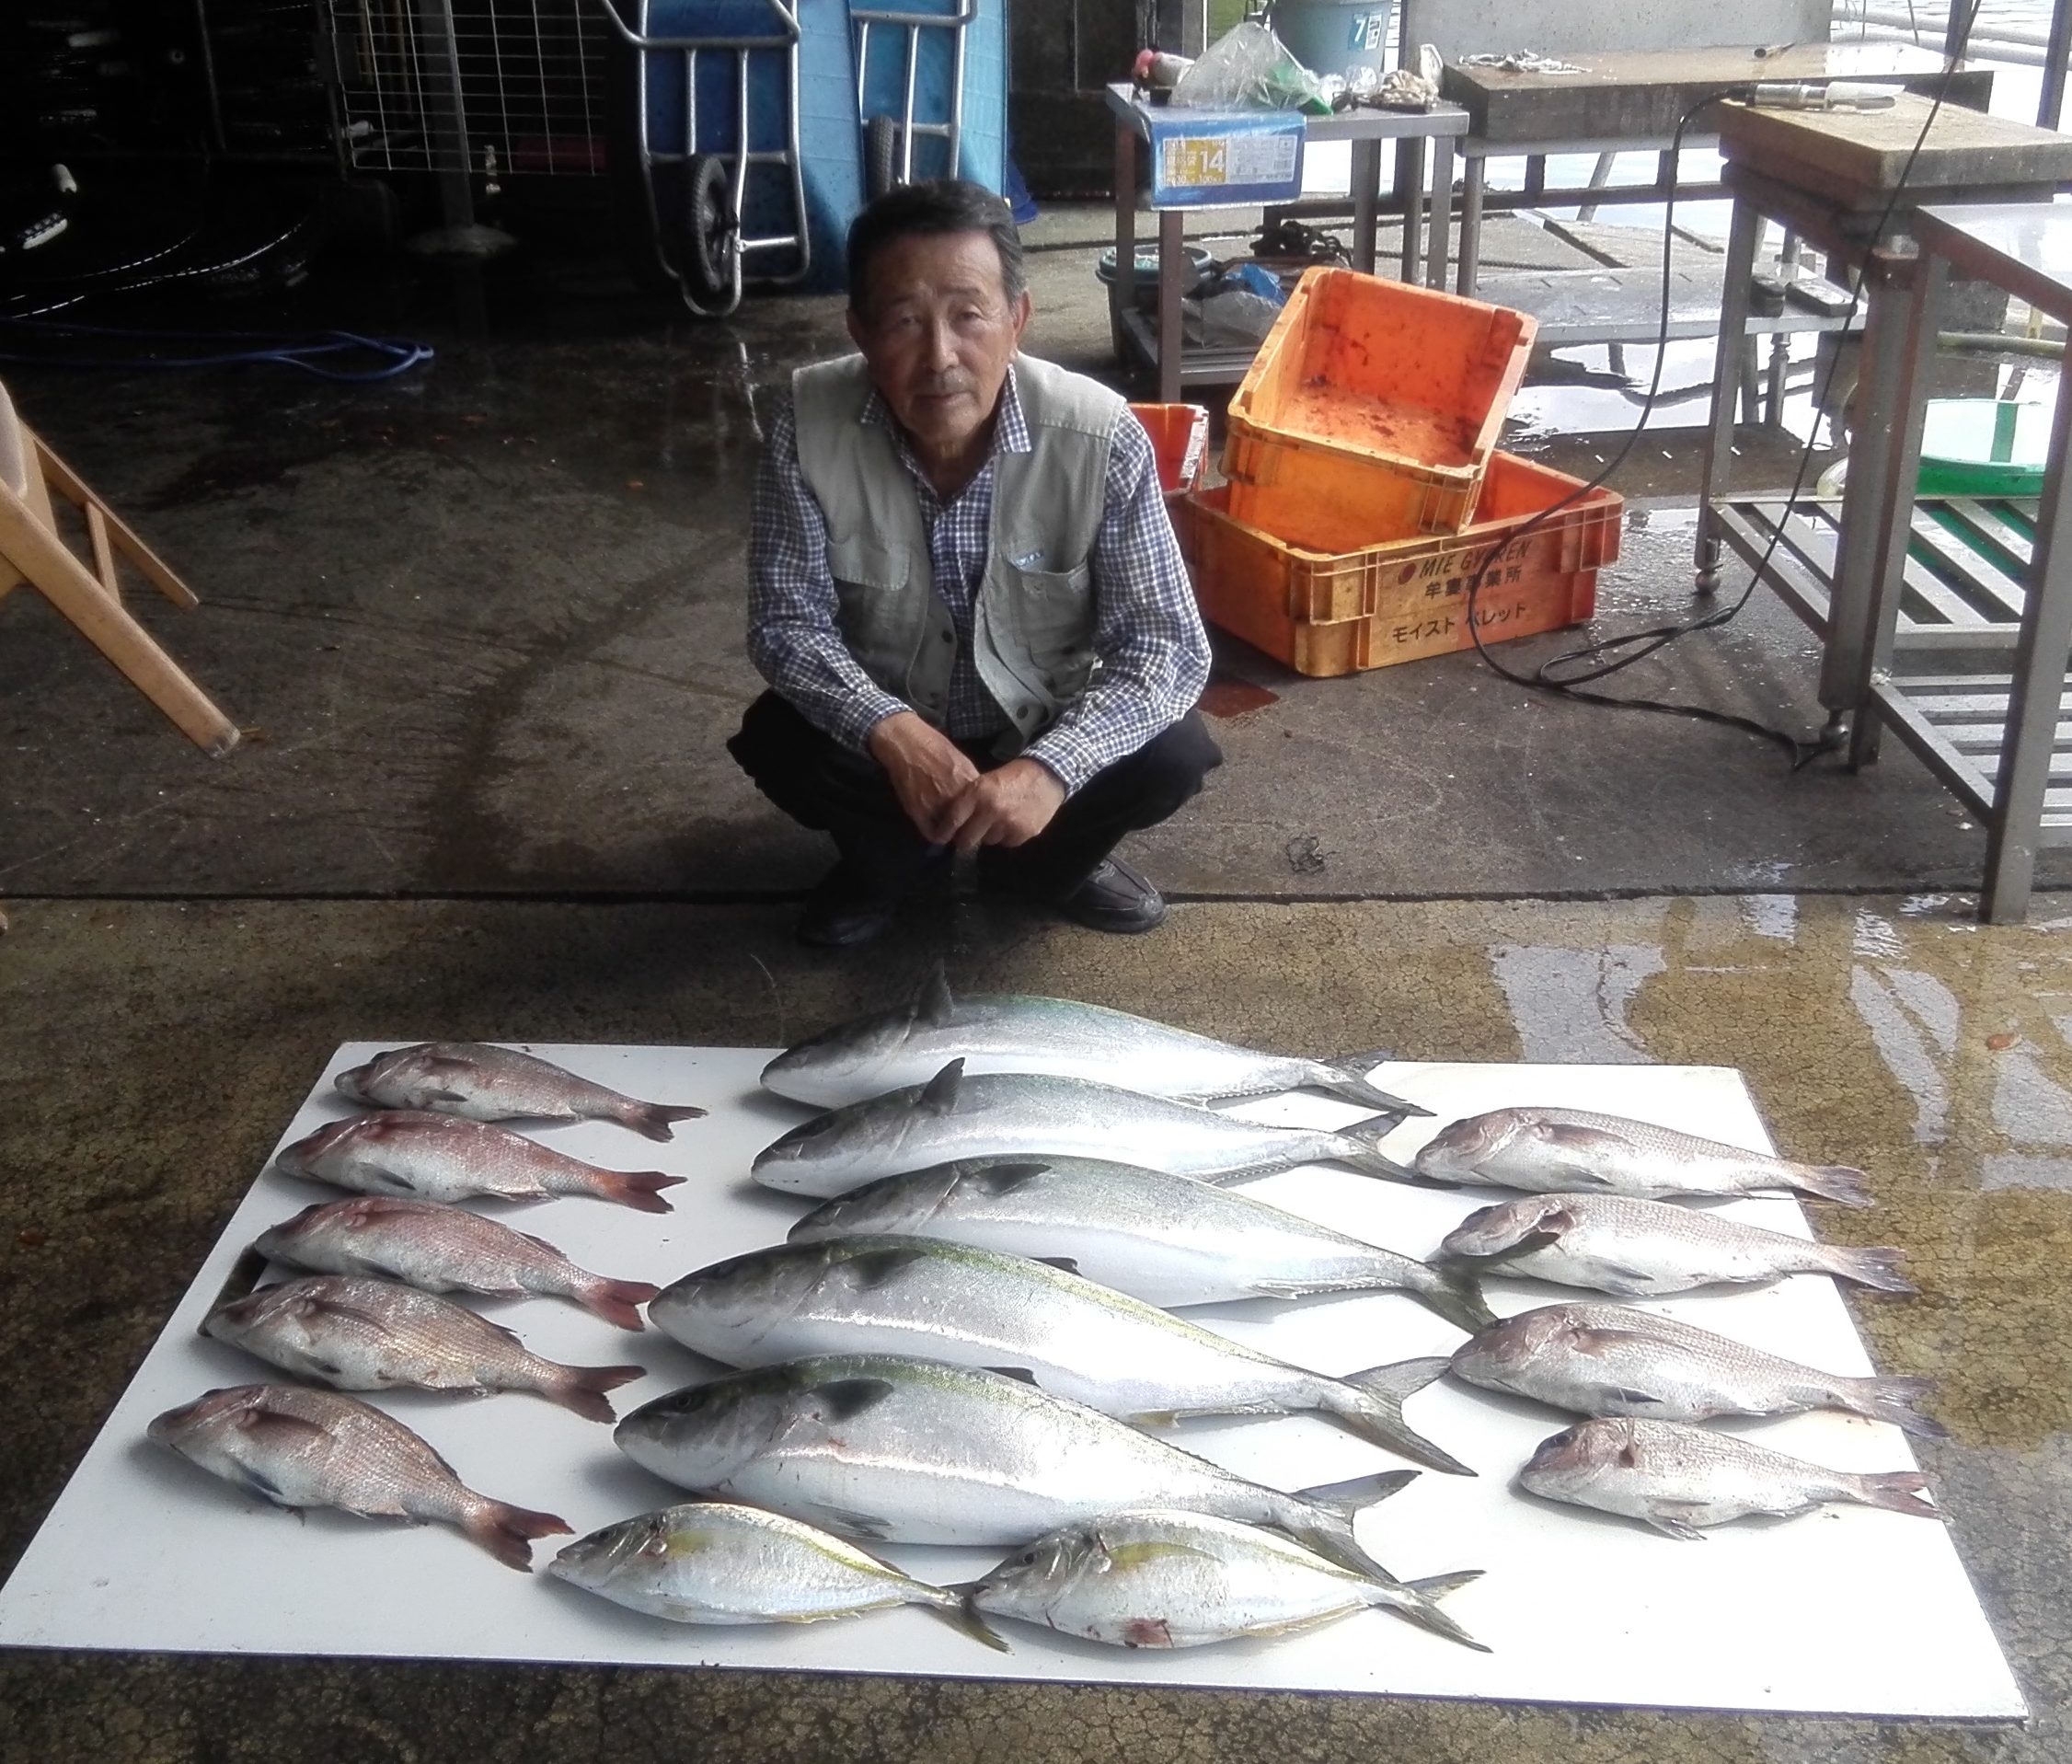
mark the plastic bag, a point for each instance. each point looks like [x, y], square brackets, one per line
[1247, 68]
[1235, 315]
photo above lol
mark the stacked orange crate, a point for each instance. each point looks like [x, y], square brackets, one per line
[1366, 493]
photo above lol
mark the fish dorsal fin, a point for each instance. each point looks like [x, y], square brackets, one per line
[1004, 1179]
[845, 1398]
[552, 1250]
[940, 1096]
[873, 1268]
[1063, 1264]
[1019, 1373]
[934, 1004]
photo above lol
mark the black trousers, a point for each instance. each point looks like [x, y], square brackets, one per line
[823, 785]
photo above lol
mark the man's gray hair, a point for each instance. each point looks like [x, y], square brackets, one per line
[942, 205]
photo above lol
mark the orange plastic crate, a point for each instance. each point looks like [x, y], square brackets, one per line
[1180, 438]
[1329, 614]
[1371, 411]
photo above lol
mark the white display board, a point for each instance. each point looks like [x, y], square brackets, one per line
[1849, 1610]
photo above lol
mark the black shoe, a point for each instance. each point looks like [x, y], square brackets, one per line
[1115, 898]
[845, 909]
[856, 899]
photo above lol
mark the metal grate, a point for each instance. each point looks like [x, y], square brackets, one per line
[532, 81]
[1966, 561]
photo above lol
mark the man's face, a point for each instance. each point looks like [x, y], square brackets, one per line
[938, 332]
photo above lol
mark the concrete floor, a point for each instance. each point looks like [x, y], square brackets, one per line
[484, 624]
[551, 588]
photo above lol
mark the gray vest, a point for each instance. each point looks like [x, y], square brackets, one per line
[1032, 623]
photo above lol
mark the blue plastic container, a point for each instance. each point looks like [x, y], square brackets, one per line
[830, 153]
[983, 151]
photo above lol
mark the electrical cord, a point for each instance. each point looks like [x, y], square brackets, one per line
[393, 356]
[1645, 643]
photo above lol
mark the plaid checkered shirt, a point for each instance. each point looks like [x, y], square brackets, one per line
[1152, 656]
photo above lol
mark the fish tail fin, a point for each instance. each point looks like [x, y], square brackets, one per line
[1322, 1518]
[1370, 1160]
[1370, 1404]
[1837, 1183]
[1349, 1079]
[1357, 1493]
[582, 1389]
[639, 1189]
[657, 1120]
[506, 1531]
[1877, 1268]
[1893, 1400]
[957, 1607]
[1456, 1295]
[1417, 1601]
[1898, 1491]
[617, 1302]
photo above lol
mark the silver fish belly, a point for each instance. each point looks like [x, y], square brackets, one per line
[713, 1562]
[1641, 1249]
[298, 1449]
[1608, 1360]
[1169, 1240]
[1679, 1478]
[1161, 1579]
[1010, 1032]
[975, 1308]
[1014, 1114]
[905, 1451]
[1576, 1152]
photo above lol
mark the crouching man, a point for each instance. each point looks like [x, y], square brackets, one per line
[966, 596]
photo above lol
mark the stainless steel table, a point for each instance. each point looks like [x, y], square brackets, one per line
[1872, 576]
[1994, 740]
[1160, 343]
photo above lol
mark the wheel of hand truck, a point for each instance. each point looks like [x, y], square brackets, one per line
[711, 261]
[881, 155]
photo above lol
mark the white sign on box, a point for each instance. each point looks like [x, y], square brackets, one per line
[1848, 1611]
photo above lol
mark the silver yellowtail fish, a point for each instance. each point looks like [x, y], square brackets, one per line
[357, 1334]
[977, 1308]
[1009, 1033]
[1018, 1114]
[903, 1451]
[484, 1082]
[299, 1448]
[1641, 1249]
[439, 1158]
[1678, 1478]
[1161, 1579]
[712, 1561]
[1614, 1360]
[1573, 1151]
[444, 1248]
[1166, 1239]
